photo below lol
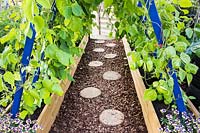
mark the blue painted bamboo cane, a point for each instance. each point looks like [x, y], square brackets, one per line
[157, 26]
[24, 62]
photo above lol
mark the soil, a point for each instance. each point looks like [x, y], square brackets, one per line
[81, 115]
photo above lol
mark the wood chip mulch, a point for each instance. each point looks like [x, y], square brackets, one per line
[81, 115]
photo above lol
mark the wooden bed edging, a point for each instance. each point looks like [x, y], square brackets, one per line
[49, 112]
[148, 110]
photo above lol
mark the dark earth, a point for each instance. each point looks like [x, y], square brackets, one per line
[80, 115]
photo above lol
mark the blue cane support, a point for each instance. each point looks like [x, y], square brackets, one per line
[157, 26]
[37, 72]
[25, 62]
[54, 10]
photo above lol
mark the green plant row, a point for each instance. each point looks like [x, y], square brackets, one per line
[58, 40]
[179, 31]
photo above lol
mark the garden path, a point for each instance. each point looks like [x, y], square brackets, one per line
[103, 98]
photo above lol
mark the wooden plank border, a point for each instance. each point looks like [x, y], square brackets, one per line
[49, 113]
[148, 111]
[150, 116]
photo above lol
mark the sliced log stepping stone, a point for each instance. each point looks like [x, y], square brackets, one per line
[110, 56]
[110, 44]
[98, 50]
[111, 117]
[95, 63]
[111, 75]
[90, 92]
[100, 41]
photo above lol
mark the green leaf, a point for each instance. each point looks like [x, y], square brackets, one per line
[176, 63]
[189, 78]
[160, 97]
[170, 52]
[76, 9]
[34, 93]
[61, 6]
[183, 39]
[150, 94]
[161, 90]
[12, 58]
[189, 32]
[181, 74]
[9, 37]
[44, 93]
[191, 68]
[133, 66]
[67, 22]
[135, 56]
[68, 12]
[181, 25]
[185, 3]
[75, 24]
[168, 100]
[47, 100]
[23, 114]
[180, 46]
[1, 84]
[51, 51]
[155, 84]
[89, 1]
[149, 65]
[107, 3]
[4, 103]
[47, 83]
[28, 99]
[9, 77]
[28, 6]
[192, 97]
[62, 73]
[140, 63]
[170, 83]
[57, 89]
[39, 23]
[185, 58]
[70, 78]
[185, 11]
[44, 3]
[63, 57]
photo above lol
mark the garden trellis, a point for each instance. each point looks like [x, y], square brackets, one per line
[157, 26]
[156, 23]
[25, 62]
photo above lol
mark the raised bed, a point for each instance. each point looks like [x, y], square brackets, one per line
[149, 113]
[49, 112]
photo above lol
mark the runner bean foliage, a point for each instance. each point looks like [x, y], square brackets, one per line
[179, 31]
[58, 39]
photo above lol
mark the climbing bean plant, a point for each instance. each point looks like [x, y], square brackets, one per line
[57, 39]
[178, 32]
